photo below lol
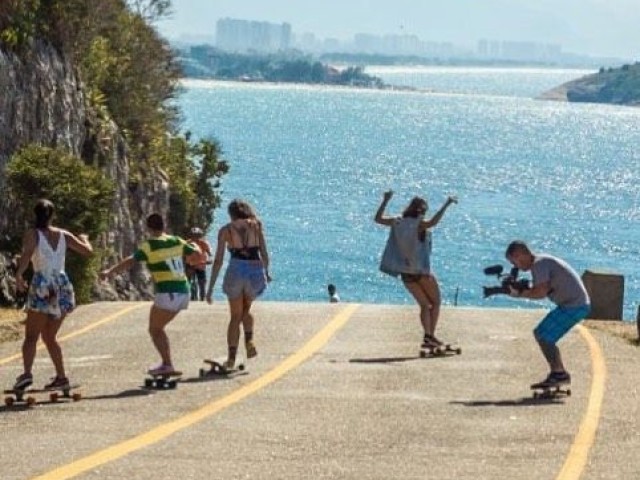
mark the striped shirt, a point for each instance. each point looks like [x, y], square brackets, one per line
[164, 258]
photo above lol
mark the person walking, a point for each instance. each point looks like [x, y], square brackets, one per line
[163, 255]
[408, 254]
[50, 295]
[246, 276]
[197, 264]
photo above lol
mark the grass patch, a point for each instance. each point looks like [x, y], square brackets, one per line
[11, 321]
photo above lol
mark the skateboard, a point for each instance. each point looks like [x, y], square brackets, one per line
[163, 381]
[26, 396]
[550, 392]
[439, 351]
[216, 367]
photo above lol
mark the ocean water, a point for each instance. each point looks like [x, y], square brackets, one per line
[315, 161]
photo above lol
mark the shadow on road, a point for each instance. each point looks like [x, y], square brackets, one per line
[520, 402]
[383, 360]
[214, 377]
[138, 392]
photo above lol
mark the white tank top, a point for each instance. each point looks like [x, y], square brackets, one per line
[47, 260]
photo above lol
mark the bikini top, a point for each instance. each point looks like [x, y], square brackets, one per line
[246, 251]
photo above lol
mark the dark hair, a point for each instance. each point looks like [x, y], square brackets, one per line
[515, 246]
[418, 206]
[43, 210]
[331, 288]
[239, 209]
[155, 222]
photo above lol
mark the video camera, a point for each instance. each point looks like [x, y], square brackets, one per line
[507, 280]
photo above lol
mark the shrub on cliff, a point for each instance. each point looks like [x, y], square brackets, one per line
[81, 194]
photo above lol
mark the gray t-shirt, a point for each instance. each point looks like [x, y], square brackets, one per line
[566, 287]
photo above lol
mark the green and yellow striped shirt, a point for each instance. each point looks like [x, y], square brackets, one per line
[164, 258]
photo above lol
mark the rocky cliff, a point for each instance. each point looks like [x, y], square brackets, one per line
[43, 102]
[619, 86]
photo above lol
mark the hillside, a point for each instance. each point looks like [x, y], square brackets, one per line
[617, 86]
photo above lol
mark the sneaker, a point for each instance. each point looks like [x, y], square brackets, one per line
[251, 349]
[431, 341]
[23, 382]
[229, 364]
[553, 379]
[161, 369]
[57, 383]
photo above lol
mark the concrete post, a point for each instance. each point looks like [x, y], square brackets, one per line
[606, 290]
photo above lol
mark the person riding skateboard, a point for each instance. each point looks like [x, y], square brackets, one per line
[556, 279]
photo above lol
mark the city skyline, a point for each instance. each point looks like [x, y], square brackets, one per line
[590, 27]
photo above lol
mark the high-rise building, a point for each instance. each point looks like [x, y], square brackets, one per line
[236, 35]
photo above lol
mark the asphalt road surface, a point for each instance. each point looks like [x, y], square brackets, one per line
[338, 391]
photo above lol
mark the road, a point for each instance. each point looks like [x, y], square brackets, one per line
[337, 391]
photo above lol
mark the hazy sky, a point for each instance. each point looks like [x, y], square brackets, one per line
[594, 27]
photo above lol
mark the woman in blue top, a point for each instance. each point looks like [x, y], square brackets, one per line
[408, 255]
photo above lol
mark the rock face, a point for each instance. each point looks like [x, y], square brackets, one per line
[43, 102]
[614, 86]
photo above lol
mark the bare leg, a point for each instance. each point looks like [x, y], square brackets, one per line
[49, 334]
[429, 285]
[421, 297]
[551, 353]
[247, 325]
[33, 328]
[158, 320]
[236, 309]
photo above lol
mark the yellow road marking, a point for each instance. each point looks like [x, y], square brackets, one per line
[577, 458]
[163, 431]
[80, 331]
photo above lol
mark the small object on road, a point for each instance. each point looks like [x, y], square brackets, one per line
[219, 366]
[162, 381]
[550, 392]
[26, 396]
[443, 350]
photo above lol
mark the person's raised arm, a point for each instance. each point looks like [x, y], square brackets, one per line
[79, 244]
[125, 264]
[380, 217]
[433, 221]
[217, 262]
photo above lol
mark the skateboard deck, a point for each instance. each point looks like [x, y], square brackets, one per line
[27, 397]
[550, 392]
[440, 351]
[162, 381]
[216, 367]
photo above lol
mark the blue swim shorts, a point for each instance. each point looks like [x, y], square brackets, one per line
[559, 321]
[244, 278]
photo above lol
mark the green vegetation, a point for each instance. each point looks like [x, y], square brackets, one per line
[619, 86]
[130, 76]
[206, 61]
[81, 194]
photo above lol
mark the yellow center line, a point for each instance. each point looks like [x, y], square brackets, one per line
[78, 332]
[163, 431]
[577, 458]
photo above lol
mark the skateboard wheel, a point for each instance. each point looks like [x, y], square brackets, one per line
[8, 401]
[458, 351]
[423, 354]
[76, 397]
[148, 383]
[241, 367]
[202, 373]
[568, 392]
[53, 397]
[31, 401]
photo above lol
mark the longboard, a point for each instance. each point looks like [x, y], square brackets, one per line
[26, 396]
[439, 351]
[550, 392]
[217, 367]
[162, 381]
